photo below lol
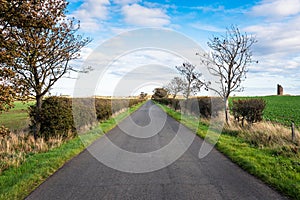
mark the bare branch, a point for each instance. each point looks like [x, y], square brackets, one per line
[229, 60]
[192, 78]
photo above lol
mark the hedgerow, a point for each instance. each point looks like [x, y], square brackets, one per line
[203, 106]
[250, 110]
[56, 117]
[65, 116]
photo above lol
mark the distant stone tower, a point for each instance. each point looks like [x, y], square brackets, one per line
[279, 90]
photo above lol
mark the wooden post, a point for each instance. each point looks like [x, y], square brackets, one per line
[293, 132]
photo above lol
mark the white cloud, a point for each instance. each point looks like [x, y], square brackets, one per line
[278, 46]
[275, 24]
[91, 13]
[136, 70]
[277, 38]
[119, 30]
[206, 27]
[124, 2]
[142, 16]
[210, 8]
[159, 5]
[277, 8]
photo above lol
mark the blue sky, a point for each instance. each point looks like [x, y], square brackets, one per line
[275, 24]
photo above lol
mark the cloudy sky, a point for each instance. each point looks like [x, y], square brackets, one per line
[275, 24]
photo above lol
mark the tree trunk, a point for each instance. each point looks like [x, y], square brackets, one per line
[37, 118]
[188, 91]
[227, 114]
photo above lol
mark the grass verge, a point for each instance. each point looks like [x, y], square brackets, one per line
[18, 182]
[280, 172]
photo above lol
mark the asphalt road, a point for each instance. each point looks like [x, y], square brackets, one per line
[212, 177]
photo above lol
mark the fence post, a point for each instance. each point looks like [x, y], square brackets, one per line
[293, 132]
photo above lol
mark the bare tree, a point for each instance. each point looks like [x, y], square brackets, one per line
[175, 86]
[41, 47]
[231, 54]
[192, 78]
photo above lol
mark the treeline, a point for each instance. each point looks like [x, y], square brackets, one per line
[203, 106]
[250, 110]
[64, 117]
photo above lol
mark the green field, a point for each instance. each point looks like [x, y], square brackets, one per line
[279, 171]
[280, 109]
[16, 118]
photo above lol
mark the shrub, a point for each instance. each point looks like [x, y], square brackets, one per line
[62, 116]
[175, 103]
[105, 108]
[84, 113]
[56, 117]
[250, 110]
[209, 106]
[133, 102]
[196, 106]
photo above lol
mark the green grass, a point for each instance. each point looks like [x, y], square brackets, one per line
[18, 182]
[17, 118]
[282, 173]
[280, 109]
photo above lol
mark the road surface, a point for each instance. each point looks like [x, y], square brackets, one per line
[212, 177]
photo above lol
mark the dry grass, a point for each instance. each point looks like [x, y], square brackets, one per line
[14, 148]
[267, 135]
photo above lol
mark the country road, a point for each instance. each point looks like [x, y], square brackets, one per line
[212, 177]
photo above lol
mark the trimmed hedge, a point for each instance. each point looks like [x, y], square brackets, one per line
[105, 108]
[196, 106]
[250, 110]
[56, 117]
[58, 113]
[84, 112]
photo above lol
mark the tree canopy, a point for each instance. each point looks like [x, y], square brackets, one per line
[159, 93]
[37, 44]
